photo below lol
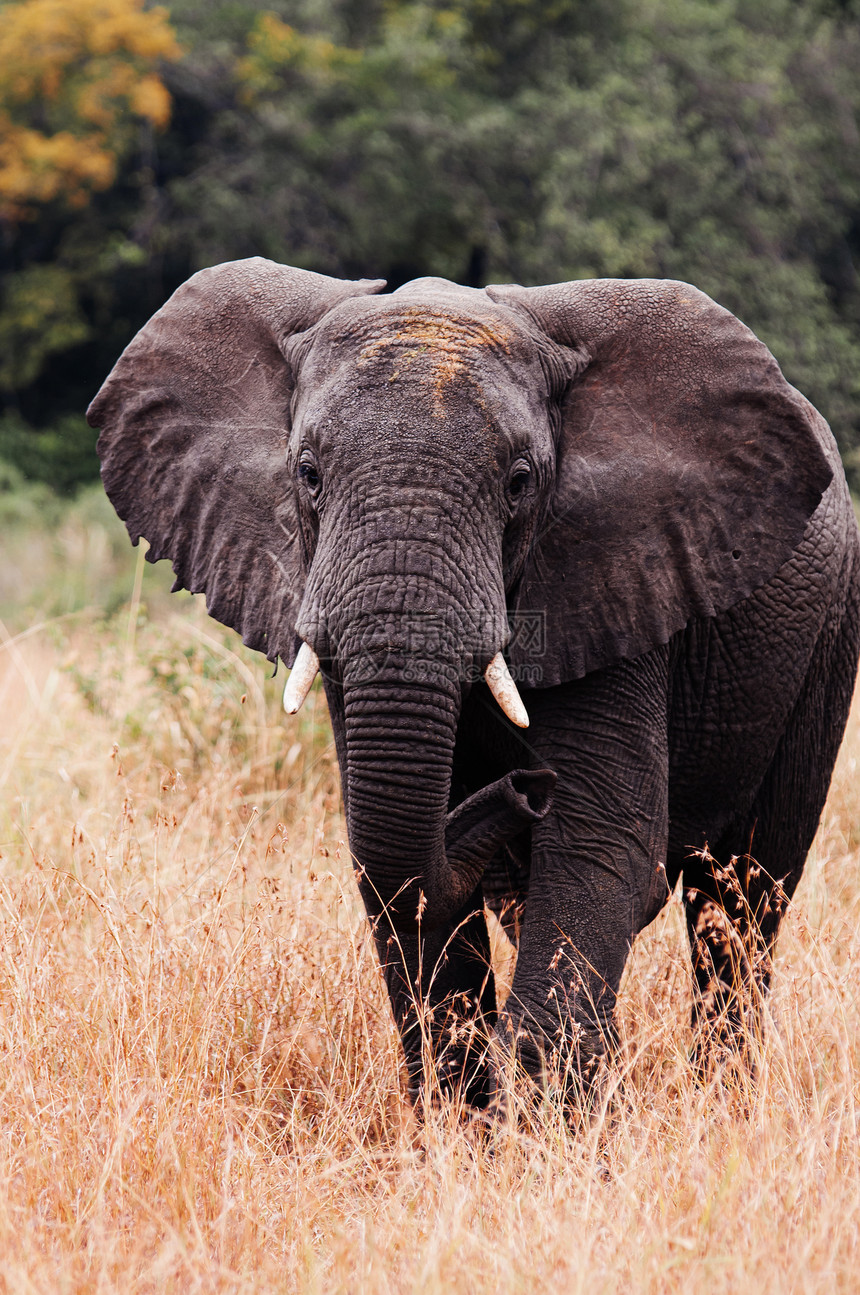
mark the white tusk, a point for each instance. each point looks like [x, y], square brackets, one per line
[301, 678]
[504, 690]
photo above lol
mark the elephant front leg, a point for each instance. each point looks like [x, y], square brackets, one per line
[443, 997]
[598, 865]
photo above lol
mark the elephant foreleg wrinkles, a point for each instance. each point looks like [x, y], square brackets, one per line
[598, 860]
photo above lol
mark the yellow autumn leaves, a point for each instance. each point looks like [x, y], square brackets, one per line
[274, 46]
[75, 75]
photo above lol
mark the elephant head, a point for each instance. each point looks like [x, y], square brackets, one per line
[385, 479]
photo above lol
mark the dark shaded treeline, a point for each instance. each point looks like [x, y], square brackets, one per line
[483, 140]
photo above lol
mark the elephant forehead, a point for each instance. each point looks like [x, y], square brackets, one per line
[445, 335]
[436, 348]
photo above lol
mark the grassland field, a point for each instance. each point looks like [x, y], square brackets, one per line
[200, 1083]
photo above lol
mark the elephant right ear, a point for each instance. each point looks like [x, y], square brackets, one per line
[194, 421]
[687, 469]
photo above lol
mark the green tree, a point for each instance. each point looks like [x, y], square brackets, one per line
[709, 140]
[79, 90]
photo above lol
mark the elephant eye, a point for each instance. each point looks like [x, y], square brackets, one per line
[519, 478]
[309, 472]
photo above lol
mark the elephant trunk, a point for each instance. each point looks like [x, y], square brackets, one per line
[399, 623]
[417, 861]
[400, 745]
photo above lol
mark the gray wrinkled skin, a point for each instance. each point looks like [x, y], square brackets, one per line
[609, 479]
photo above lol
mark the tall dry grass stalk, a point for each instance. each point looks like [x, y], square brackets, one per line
[201, 1084]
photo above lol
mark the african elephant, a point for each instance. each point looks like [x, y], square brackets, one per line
[611, 483]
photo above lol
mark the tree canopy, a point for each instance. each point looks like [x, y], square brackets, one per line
[483, 140]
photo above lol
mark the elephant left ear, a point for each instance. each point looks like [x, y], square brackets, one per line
[687, 469]
[194, 421]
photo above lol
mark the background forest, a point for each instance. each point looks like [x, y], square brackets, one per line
[484, 140]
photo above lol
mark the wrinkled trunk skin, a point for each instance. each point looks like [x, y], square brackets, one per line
[419, 872]
[400, 743]
[399, 751]
[395, 700]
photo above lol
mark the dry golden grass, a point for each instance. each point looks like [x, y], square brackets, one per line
[201, 1085]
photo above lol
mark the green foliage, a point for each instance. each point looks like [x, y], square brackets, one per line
[63, 457]
[484, 140]
[40, 313]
